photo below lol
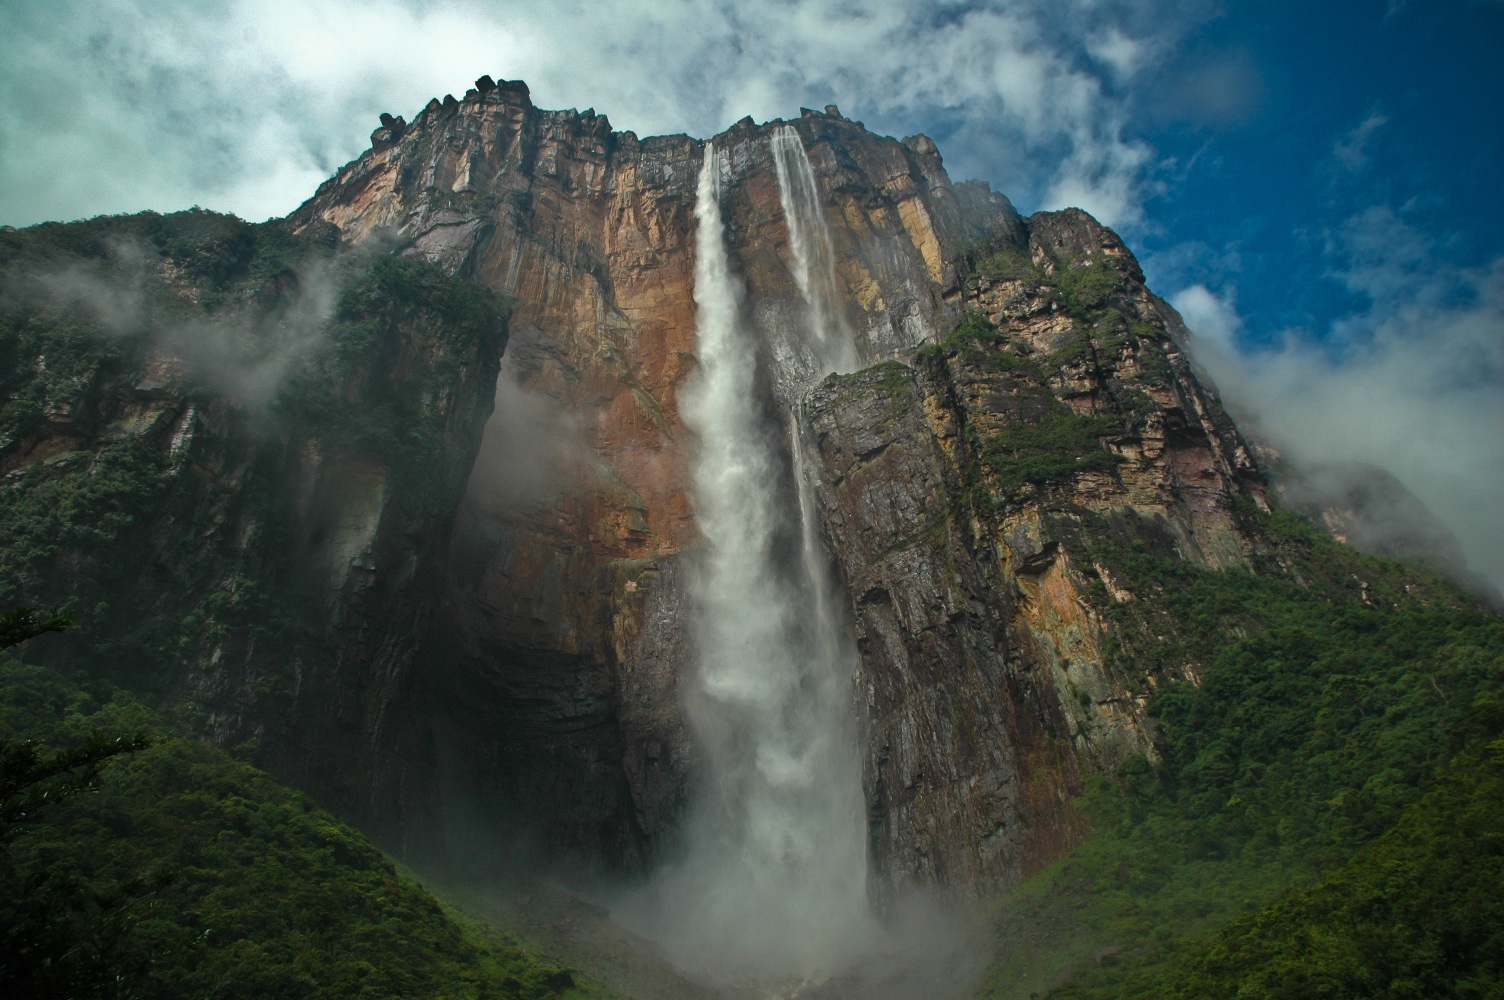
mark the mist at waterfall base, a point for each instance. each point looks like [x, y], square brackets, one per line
[769, 893]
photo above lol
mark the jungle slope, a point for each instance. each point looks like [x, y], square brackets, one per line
[1324, 818]
[178, 870]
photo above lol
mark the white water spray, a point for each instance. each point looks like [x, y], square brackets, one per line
[814, 255]
[773, 889]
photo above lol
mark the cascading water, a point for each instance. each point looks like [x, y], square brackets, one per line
[773, 887]
[814, 255]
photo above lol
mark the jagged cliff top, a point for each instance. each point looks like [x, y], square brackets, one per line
[488, 91]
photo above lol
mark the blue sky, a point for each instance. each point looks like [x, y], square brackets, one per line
[1339, 107]
[1315, 186]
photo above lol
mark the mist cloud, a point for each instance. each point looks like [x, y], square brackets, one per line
[245, 351]
[1413, 384]
[534, 445]
[1351, 150]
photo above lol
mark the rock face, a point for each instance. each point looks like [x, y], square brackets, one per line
[239, 460]
[559, 644]
[506, 632]
[984, 691]
[963, 497]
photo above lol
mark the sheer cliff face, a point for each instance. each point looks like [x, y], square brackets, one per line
[237, 458]
[963, 542]
[964, 521]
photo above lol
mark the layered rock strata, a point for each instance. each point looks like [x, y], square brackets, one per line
[560, 656]
[985, 695]
[978, 606]
[1023, 401]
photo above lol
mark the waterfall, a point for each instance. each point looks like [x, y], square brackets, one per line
[773, 885]
[814, 256]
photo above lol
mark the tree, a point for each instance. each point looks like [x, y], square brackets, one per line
[60, 936]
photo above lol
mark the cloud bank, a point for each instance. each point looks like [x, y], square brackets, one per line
[243, 350]
[1413, 383]
[118, 105]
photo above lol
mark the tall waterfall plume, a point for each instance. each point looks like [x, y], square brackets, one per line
[814, 255]
[773, 887]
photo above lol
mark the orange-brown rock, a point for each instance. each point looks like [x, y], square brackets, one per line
[493, 650]
[558, 651]
[985, 695]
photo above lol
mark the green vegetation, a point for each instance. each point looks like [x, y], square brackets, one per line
[1009, 265]
[979, 342]
[219, 251]
[1326, 709]
[95, 521]
[1055, 448]
[182, 871]
[890, 381]
[1417, 914]
[1075, 353]
[91, 504]
[59, 935]
[186, 873]
[1044, 441]
[383, 313]
[1090, 287]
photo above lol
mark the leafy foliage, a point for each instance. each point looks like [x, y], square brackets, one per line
[1334, 689]
[1416, 915]
[61, 935]
[1009, 265]
[215, 880]
[1055, 448]
[91, 503]
[1091, 286]
[21, 623]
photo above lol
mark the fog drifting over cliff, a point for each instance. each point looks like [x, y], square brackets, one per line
[1413, 384]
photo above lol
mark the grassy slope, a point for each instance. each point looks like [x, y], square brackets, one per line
[261, 892]
[1334, 749]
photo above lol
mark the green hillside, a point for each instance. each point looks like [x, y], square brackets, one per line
[1326, 818]
[176, 870]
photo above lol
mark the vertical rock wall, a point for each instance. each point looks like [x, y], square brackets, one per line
[552, 666]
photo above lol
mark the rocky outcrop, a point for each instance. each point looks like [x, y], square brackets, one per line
[976, 601]
[487, 632]
[562, 646]
[962, 496]
[244, 484]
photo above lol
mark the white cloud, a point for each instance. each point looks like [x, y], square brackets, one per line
[117, 105]
[1214, 318]
[1351, 148]
[1124, 54]
[1414, 383]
